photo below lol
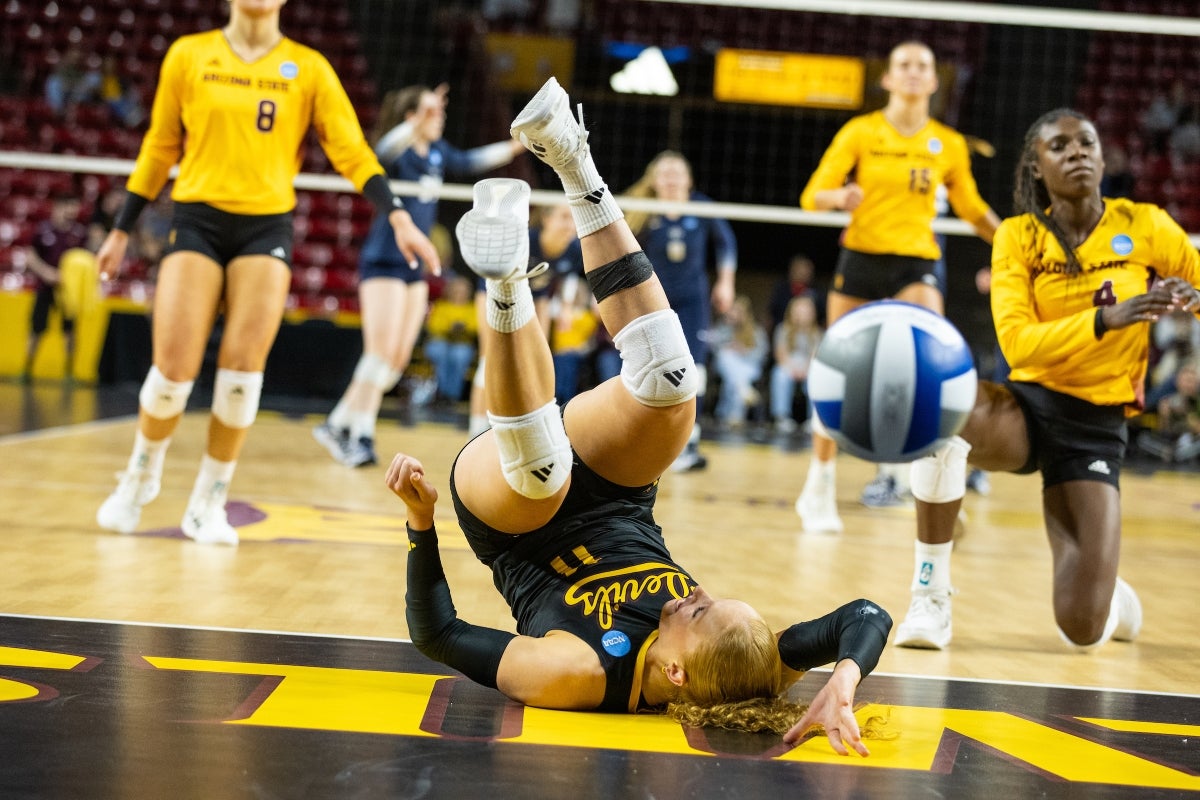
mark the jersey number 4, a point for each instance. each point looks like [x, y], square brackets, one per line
[1104, 296]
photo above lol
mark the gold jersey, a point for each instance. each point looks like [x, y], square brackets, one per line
[239, 127]
[1045, 318]
[899, 176]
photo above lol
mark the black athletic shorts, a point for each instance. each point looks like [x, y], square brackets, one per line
[44, 300]
[1071, 439]
[878, 276]
[590, 501]
[200, 228]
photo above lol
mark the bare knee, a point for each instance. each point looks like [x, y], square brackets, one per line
[1081, 622]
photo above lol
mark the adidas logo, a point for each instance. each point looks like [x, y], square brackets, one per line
[502, 305]
[595, 196]
[675, 376]
[542, 473]
[1101, 466]
[646, 74]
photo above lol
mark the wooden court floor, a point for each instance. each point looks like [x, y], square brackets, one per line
[148, 666]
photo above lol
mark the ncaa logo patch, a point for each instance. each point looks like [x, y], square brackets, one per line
[935, 145]
[615, 643]
[289, 70]
[1122, 245]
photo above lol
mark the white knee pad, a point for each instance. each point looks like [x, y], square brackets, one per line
[162, 398]
[235, 397]
[535, 454]
[375, 371]
[656, 366]
[942, 477]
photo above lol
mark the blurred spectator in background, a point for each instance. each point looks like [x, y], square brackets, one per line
[123, 98]
[103, 215]
[451, 336]
[799, 280]
[1176, 436]
[1175, 339]
[573, 333]
[794, 344]
[1163, 115]
[72, 82]
[54, 238]
[1118, 179]
[1185, 137]
[739, 345]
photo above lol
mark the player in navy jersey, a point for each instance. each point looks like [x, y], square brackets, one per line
[53, 238]
[683, 247]
[394, 296]
[559, 502]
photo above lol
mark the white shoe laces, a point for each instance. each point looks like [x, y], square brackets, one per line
[931, 603]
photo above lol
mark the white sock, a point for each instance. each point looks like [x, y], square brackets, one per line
[931, 570]
[148, 455]
[212, 483]
[591, 201]
[361, 424]
[819, 471]
[509, 305]
[339, 418]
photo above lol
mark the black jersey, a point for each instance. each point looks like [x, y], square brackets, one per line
[599, 569]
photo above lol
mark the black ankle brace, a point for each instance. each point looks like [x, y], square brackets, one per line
[624, 273]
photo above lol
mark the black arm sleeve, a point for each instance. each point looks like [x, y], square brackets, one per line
[131, 209]
[376, 190]
[433, 623]
[857, 630]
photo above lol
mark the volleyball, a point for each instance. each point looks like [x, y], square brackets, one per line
[891, 381]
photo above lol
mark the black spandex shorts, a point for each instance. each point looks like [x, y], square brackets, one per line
[1071, 439]
[592, 503]
[200, 228]
[878, 276]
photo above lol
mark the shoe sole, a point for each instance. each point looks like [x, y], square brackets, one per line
[199, 538]
[493, 248]
[112, 526]
[919, 642]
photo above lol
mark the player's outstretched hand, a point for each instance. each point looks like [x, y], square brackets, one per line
[833, 710]
[406, 478]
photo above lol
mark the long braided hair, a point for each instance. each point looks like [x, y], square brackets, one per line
[1029, 193]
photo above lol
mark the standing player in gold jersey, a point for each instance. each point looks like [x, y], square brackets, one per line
[1073, 291]
[894, 159]
[232, 109]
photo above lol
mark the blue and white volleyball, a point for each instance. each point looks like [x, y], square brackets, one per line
[891, 381]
